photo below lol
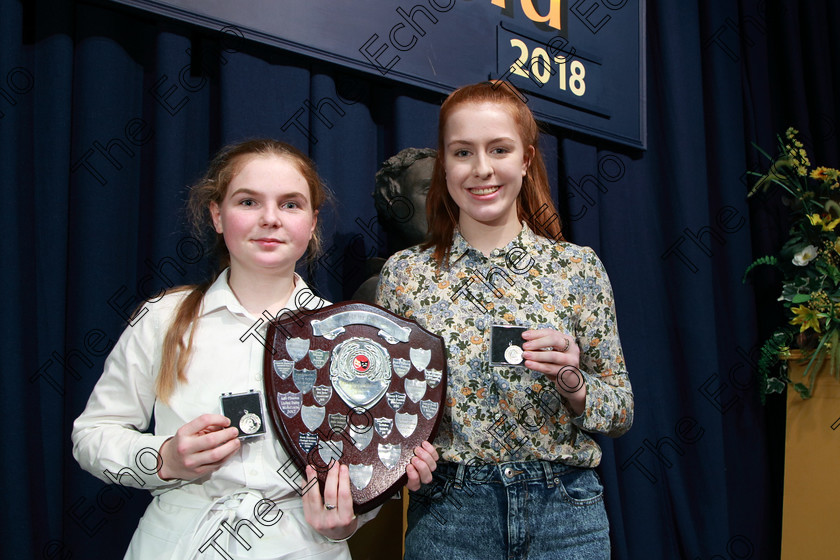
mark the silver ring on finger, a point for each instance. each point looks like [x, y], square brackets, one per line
[329, 507]
[567, 345]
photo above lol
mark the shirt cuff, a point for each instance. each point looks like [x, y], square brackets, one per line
[580, 420]
[362, 518]
[148, 462]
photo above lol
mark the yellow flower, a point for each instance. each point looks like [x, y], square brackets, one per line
[797, 153]
[806, 317]
[817, 220]
[825, 174]
[819, 302]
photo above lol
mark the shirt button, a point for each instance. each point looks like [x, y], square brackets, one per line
[556, 480]
[509, 472]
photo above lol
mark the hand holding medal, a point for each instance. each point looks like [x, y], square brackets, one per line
[198, 448]
[558, 356]
[547, 351]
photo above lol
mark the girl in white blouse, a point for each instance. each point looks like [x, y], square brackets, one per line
[214, 495]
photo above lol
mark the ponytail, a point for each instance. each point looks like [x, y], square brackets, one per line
[176, 355]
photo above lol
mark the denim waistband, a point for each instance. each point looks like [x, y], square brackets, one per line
[505, 474]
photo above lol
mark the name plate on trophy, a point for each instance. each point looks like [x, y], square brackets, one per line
[356, 384]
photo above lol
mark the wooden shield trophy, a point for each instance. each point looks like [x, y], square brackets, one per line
[354, 383]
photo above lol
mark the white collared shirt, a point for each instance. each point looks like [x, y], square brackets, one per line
[110, 439]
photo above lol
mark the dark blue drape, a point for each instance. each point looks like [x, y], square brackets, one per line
[108, 114]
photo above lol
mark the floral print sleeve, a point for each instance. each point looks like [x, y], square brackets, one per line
[609, 397]
[386, 290]
[511, 413]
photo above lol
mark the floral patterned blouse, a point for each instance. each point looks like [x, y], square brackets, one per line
[511, 413]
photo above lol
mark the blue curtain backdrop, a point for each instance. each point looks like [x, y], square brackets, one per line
[108, 114]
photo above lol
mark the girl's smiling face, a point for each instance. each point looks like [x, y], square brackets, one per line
[266, 216]
[485, 161]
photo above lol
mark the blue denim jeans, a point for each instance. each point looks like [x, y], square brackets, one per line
[533, 510]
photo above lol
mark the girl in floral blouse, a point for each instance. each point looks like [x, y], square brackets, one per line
[516, 476]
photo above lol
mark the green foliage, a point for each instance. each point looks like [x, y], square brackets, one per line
[769, 260]
[769, 356]
[809, 262]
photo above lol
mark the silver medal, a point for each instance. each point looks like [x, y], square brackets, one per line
[249, 423]
[513, 354]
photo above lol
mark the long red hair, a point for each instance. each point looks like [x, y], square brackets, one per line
[534, 201]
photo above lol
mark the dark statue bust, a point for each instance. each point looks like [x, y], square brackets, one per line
[399, 195]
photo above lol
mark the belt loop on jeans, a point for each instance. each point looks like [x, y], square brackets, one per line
[550, 477]
[459, 475]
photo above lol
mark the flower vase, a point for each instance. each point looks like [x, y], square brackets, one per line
[812, 468]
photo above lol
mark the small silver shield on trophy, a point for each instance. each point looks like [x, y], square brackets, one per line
[420, 358]
[289, 403]
[360, 475]
[297, 348]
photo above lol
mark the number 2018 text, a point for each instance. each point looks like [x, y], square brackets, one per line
[541, 68]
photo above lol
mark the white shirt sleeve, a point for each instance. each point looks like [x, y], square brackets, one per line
[109, 438]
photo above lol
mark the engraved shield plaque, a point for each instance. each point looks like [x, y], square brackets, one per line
[342, 388]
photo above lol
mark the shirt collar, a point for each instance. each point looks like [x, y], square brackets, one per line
[219, 295]
[526, 239]
[459, 246]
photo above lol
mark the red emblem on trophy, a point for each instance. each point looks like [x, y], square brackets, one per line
[361, 363]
